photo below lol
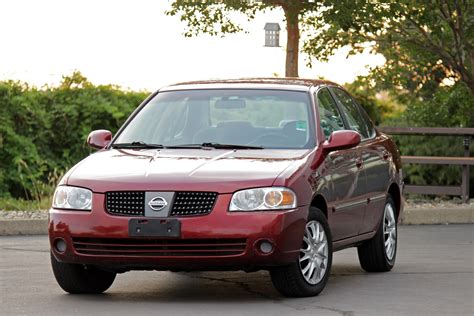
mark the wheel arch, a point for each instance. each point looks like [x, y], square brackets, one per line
[394, 192]
[320, 202]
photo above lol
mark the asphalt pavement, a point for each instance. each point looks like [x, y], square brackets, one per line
[434, 275]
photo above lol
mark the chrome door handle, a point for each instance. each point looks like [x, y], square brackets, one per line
[359, 162]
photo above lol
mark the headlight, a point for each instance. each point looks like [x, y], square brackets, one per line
[273, 198]
[72, 198]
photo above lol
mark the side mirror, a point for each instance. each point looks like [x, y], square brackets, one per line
[99, 139]
[341, 140]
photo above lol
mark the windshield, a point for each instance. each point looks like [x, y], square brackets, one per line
[263, 118]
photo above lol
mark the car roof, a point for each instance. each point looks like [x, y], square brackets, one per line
[297, 84]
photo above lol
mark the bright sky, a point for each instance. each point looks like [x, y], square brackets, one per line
[132, 43]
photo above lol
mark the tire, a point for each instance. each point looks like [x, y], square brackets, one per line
[290, 280]
[378, 254]
[80, 279]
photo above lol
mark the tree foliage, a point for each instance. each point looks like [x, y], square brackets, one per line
[215, 18]
[423, 41]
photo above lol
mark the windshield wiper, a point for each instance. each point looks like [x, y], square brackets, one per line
[215, 145]
[230, 146]
[136, 145]
[143, 145]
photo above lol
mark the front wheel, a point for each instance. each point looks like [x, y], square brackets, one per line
[309, 274]
[378, 254]
[80, 279]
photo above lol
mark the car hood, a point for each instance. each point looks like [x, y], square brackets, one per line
[216, 170]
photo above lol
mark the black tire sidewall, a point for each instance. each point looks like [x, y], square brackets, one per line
[75, 279]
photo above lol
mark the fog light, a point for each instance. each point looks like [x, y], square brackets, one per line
[60, 245]
[266, 247]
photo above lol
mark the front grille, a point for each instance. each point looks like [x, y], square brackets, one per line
[132, 203]
[193, 203]
[125, 247]
[125, 203]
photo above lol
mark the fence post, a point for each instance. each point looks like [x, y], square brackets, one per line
[465, 171]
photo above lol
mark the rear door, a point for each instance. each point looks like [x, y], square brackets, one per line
[347, 189]
[374, 159]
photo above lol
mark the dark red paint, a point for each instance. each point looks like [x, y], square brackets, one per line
[340, 140]
[99, 139]
[328, 176]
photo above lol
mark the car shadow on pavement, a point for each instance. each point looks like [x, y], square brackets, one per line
[213, 287]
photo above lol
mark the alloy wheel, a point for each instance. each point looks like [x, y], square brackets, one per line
[313, 259]
[389, 231]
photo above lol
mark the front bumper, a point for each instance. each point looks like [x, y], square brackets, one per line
[283, 229]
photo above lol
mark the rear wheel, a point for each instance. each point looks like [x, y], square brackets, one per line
[80, 279]
[378, 254]
[309, 274]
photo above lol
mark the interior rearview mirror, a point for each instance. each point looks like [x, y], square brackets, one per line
[229, 103]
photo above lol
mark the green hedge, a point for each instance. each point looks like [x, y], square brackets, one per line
[43, 131]
[449, 106]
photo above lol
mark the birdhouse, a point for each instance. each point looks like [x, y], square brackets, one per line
[272, 34]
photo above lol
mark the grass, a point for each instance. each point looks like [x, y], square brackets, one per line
[12, 204]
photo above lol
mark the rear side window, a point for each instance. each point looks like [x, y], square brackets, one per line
[329, 114]
[351, 110]
[368, 122]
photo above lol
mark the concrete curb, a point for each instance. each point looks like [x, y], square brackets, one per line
[429, 216]
[411, 216]
[9, 227]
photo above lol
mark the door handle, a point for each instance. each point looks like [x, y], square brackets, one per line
[359, 162]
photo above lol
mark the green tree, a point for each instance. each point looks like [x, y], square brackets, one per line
[379, 106]
[213, 17]
[423, 41]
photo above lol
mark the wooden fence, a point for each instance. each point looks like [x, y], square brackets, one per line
[465, 161]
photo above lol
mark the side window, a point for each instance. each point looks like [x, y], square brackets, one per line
[353, 115]
[368, 122]
[331, 119]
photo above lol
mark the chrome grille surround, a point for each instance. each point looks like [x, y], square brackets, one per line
[185, 203]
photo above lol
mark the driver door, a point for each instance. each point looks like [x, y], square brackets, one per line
[346, 200]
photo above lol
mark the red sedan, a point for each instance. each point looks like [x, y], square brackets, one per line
[247, 174]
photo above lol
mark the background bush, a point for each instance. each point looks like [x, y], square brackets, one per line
[447, 106]
[43, 131]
